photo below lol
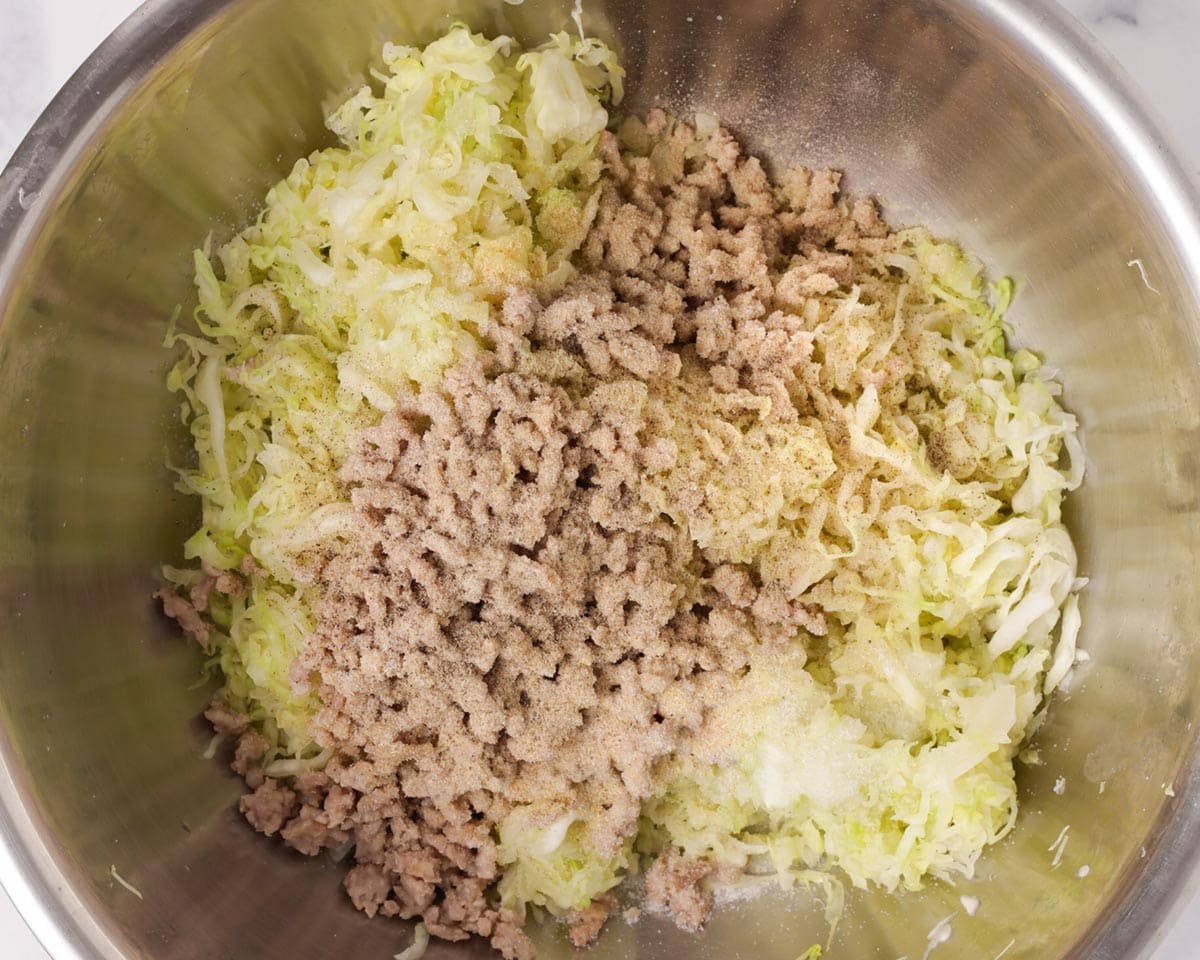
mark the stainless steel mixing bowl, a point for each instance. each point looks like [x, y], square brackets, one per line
[994, 120]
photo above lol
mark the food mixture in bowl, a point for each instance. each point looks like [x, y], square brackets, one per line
[580, 506]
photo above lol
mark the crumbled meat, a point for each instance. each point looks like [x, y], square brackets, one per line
[225, 720]
[509, 624]
[269, 807]
[221, 581]
[251, 748]
[188, 612]
[312, 787]
[584, 925]
[868, 221]
[675, 885]
[250, 569]
[187, 616]
[368, 886]
[310, 831]
[510, 939]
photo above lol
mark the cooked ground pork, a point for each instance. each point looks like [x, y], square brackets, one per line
[269, 806]
[184, 613]
[676, 885]
[511, 624]
[189, 612]
[585, 924]
[225, 720]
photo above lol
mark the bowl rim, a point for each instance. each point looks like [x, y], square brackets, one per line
[1138, 913]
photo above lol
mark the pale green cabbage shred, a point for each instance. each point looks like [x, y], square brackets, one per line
[932, 537]
[553, 866]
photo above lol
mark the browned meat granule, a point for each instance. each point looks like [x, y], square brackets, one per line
[225, 720]
[189, 612]
[247, 763]
[269, 806]
[585, 925]
[510, 624]
[184, 613]
[676, 885]
[222, 581]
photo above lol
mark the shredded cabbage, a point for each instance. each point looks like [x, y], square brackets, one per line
[933, 541]
[470, 168]
[551, 864]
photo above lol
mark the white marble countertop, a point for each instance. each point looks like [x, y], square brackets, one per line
[43, 41]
